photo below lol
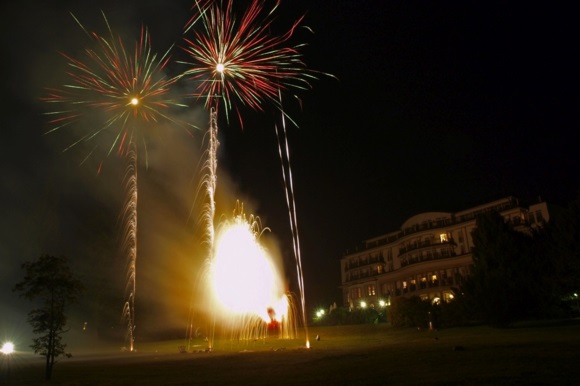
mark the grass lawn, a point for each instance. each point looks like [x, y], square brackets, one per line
[542, 353]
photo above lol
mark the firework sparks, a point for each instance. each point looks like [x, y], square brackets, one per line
[129, 218]
[241, 60]
[260, 306]
[127, 90]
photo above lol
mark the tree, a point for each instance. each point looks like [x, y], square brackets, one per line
[564, 233]
[500, 286]
[561, 281]
[50, 282]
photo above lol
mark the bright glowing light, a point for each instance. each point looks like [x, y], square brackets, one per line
[382, 303]
[244, 278]
[320, 313]
[220, 67]
[363, 304]
[135, 101]
[7, 348]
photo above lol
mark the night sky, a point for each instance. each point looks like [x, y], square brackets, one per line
[436, 106]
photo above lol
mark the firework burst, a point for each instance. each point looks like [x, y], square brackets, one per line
[241, 60]
[127, 91]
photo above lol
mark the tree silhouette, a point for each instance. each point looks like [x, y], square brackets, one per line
[499, 287]
[565, 249]
[49, 281]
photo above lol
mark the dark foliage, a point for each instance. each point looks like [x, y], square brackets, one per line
[410, 312]
[522, 273]
[564, 252]
[498, 286]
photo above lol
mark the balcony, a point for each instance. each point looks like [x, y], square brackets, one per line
[424, 285]
[362, 275]
[436, 255]
[362, 262]
[424, 244]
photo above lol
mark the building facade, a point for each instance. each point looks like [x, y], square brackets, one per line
[429, 255]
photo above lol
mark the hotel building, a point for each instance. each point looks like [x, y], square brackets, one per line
[429, 255]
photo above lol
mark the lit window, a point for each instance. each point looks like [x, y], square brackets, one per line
[371, 291]
[443, 237]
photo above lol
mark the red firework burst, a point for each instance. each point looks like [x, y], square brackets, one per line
[241, 59]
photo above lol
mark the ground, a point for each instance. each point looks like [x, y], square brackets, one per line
[539, 353]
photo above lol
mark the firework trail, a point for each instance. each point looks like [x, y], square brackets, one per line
[209, 184]
[284, 152]
[239, 63]
[130, 244]
[128, 94]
